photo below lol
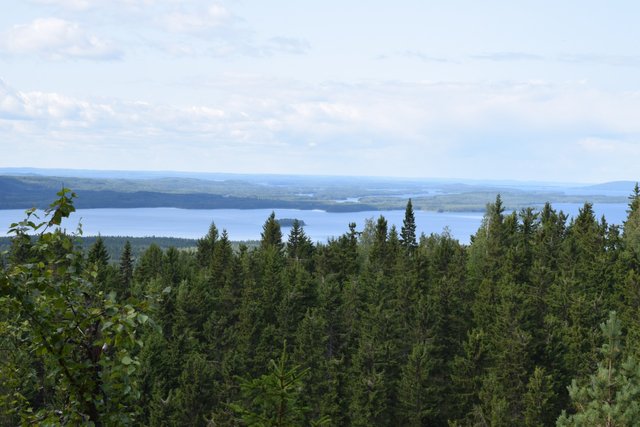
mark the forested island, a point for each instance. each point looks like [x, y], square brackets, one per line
[290, 222]
[536, 322]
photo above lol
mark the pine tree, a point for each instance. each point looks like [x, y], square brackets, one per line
[610, 396]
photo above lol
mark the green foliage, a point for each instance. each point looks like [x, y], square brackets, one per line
[125, 273]
[80, 344]
[408, 231]
[206, 246]
[538, 400]
[611, 395]
[381, 333]
[250, 192]
[299, 245]
[417, 395]
[274, 399]
[631, 233]
[271, 234]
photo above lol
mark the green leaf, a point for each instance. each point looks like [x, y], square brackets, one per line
[106, 325]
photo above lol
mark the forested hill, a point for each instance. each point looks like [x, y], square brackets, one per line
[22, 193]
[333, 194]
[535, 322]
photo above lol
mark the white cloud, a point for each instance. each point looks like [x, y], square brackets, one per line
[197, 21]
[195, 28]
[213, 30]
[82, 5]
[57, 39]
[519, 131]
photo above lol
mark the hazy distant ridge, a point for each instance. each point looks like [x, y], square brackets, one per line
[333, 194]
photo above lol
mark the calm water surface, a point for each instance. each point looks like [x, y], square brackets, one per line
[247, 224]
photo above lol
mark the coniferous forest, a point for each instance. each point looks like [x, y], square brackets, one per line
[536, 322]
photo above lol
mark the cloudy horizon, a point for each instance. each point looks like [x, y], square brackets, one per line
[535, 91]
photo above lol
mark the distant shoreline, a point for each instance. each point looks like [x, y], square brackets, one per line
[304, 193]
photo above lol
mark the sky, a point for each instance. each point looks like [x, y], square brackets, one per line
[528, 90]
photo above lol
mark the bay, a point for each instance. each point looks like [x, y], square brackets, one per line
[247, 224]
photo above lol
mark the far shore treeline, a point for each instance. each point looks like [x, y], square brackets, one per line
[297, 192]
[536, 322]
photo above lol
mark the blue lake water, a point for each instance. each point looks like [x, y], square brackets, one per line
[247, 224]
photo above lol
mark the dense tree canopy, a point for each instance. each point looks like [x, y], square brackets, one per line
[379, 327]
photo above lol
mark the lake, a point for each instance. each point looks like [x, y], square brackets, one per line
[247, 224]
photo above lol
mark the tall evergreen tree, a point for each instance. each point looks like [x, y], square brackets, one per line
[126, 271]
[98, 258]
[206, 246]
[408, 230]
[629, 280]
[418, 395]
[539, 399]
[274, 399]
[631, 233]
[98, 253]
[271, 234]
[150, 264]
[379, 255]
[299, 245]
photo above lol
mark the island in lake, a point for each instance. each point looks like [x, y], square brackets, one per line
[288, 222]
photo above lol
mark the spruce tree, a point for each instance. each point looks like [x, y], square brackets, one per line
[126, 271]
[583, 294]
[150, 264]
[379, 255]
[321, 386]
[299, 246]
[631, 233]
[271, 234]
[538, 400]
[418, 393]
[274, 399]
[408, 230]
[98, 254]
[98, 259]
[629, 282]
[206, 246]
